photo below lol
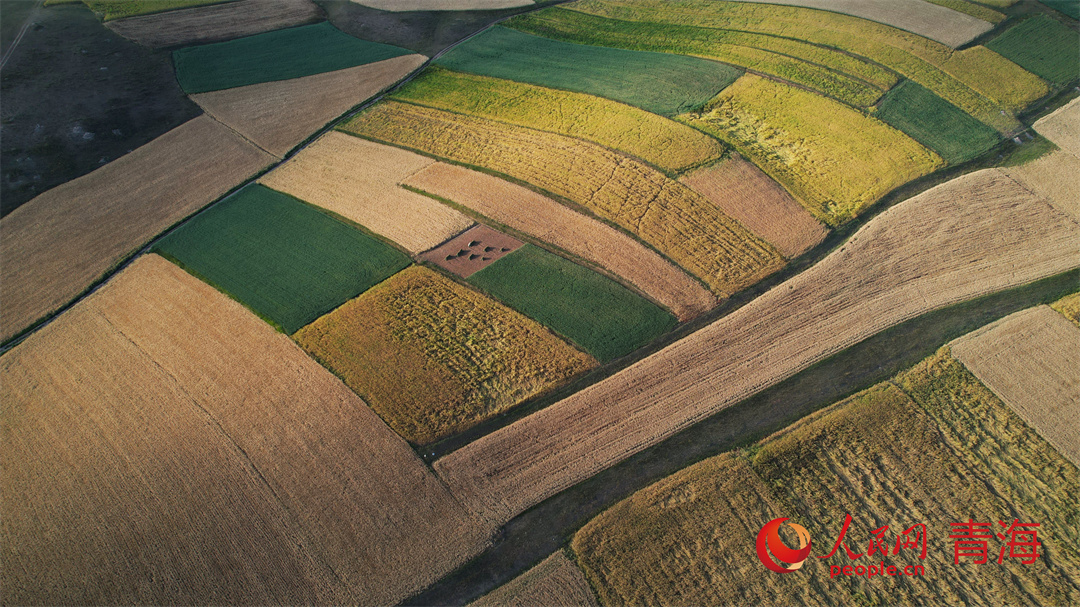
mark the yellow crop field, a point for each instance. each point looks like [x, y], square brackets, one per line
[674, 219]
[834, 159]
[1069, 307]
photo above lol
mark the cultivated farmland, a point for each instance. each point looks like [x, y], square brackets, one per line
[1062, 127]
[1055, 176]
[434, 358]
[935, 123]
[556, 580]
[287, 261]
[667, 144]
[677, 221]
[472, 250]
[601, 316]
[1069, 307]
[441, 5]
[541, 217]
[655, 82]
[164, 445]
[968, 7]
[358, 179]
[835, 160]
[977, 234]
[118, 9]
[215, 23]
[1044, 46]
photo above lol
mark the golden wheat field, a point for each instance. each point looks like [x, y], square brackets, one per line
[1056, 177]
[1069, 307]
[1062, 127]
[215, 22]
[556, 580]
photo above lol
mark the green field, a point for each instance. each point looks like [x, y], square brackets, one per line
[1044, 46]
[118, 9]
[971, 8]
[1068, 7]
[935, 123]
[285, 260]
[598, 314]
[277, 55]
[657, 82]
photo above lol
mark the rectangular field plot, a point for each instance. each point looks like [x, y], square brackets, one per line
[606, 319]
[285, 260]
[935, 123]
[472, 250]
[1044, 46]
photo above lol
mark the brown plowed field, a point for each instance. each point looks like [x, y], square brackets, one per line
[741, 190]
[164, 445]
[216, 22]
[581, 235]
[1029, 359]
[556, 580]
[1055, 176]
[977, 234]
[277, 116]
[472, 250]
[57, 244]
[1062, 127]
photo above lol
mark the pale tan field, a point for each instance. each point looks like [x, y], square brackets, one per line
[541, 217]
[441, 5]
[977, 234]
[358, 179]
[1055, 176]
[277, 116]
[556, 580]
[1029, 360]
[215, 22]
[742, 191]
[1062, 127]
[56, 245]
[1069, 307]
[164, 445]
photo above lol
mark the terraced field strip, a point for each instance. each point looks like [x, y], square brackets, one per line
[1055, 176]
[802, 140]
[656, 82]
[742, 191]
[665, 143]
[662, 212]
[214, 23]
[1069, 307]
[278, 55]
[850, 79]
[285, 260]
[1029, 360]
[1044, 46]
[157, 388]
[970, 7]
[1062, 127]
[109, 10]
[541, 217]
[935, 123]
[358, 180]
[434, 358]
[442, 5]
[554, 581]
[977, 234]
[59, 243]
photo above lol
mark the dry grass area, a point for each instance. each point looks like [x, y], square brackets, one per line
[57, 244]
[556, 580]
[163, 446]
[358, 179]
[1069, 307]
[1062, 127]
[215, 23]
[1029, 360]
[541, 217]
[977, 234]
[1055, 176]
[278, 116]
[441, 5]
[742, 191]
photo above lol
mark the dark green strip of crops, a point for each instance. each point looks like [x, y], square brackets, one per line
[935, 123]
[1042, 46]
[1068, 7]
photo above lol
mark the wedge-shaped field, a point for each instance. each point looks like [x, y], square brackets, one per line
[656, 82]
[556, 580]
[1069, 307]
[278, 55]
[937, 450]
[358, 180]
[742, 191]
[215, 23]
[1044, 46]
[604, 318]
[162, 445]
[278, 116]
[657, 140]
[977, 234]
[1062, 127]
[664, 213]
[834, 159]
[580, 235]
[59, 243]
[1029, 360]
[287, 261]
[935, 123]
[434, 358]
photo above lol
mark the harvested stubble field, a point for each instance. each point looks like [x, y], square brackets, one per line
[278, 55]
[669, 145]
[224, 21]
[656, 82]
[278, 116]
[834, 159]
[742, 191]
[943, 449]
[60, 242]
[1062, 127]
[441, 5]
[472, 250]
[434, 358]
[977, 234]
[287, 261]
[541, 217]
[358, 179]
[556, 580]
[1029, 360]
[163, 445]
[604, 318]
[1055, 176]
[1069, 307]
[675, 220]
[1044, 46]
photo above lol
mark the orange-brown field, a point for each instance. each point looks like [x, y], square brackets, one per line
[215, 22]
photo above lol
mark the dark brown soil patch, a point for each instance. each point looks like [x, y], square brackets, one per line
[472, 250]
